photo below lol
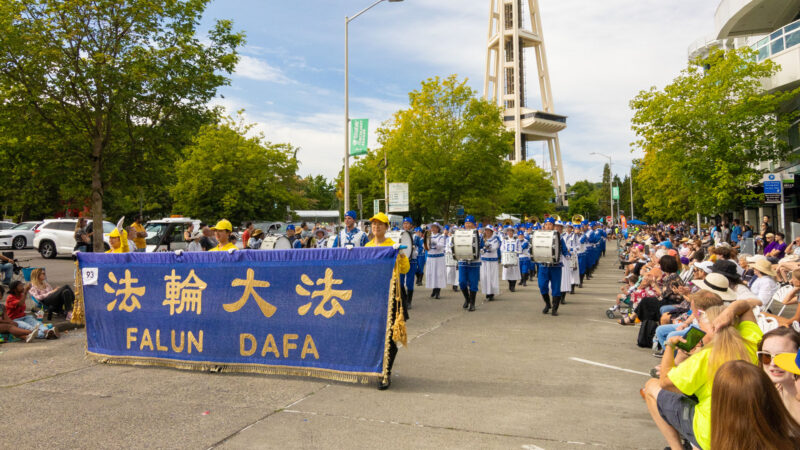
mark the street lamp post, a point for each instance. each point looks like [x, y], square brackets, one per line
[347, 21]
[610, 179]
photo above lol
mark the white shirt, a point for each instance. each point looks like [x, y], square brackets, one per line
[743, 292]
[764, 287]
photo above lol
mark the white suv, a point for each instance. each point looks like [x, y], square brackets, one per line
[56, 237]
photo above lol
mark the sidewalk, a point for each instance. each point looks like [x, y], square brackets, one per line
[504, 376]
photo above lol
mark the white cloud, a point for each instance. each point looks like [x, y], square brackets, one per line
[260, 70]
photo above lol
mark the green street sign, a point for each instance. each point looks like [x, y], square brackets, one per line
[615, 193]
[359, 134]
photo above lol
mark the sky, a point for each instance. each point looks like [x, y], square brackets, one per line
[290, 80]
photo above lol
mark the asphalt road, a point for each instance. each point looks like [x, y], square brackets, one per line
[504, 376]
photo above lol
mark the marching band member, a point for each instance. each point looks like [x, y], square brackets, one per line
[469, 271]
[350, 236]
[451, 271]
[511, 245]
[550, 274]
[380, 224]
[435, 266]
[524, 257]
[321, 236]
[293, 237]
[419, 241]
[490, 281]
[573, 243]
[407, 279]
[566, 270]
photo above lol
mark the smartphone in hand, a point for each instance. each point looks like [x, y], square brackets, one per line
[692, 338]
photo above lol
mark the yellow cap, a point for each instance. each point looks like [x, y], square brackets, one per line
[380, 217]
[223, 224]
[114, 233]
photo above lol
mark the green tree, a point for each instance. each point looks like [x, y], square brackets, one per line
[319, 192]
[584, 200]
[528, 191]
[366, 178]
[603, 197]
[449, 145]
[226, 174]
[119, 86]
[703, 133]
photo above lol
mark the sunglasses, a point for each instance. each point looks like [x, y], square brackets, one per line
[767, 357]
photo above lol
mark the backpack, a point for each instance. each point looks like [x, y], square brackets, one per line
[646, 333]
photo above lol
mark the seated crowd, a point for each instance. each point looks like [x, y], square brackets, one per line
[729, 356]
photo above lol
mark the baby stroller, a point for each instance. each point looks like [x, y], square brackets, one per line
[624, 308]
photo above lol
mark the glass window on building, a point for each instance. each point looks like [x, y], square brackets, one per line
[793, 39]
[794, 136]
[776, 46]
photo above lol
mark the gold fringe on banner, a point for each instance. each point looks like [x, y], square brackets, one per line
[205, 366]
[78, 309]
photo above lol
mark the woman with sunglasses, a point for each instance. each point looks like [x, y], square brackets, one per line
[774, 343]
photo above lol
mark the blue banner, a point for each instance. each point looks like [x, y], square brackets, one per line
[316, 312]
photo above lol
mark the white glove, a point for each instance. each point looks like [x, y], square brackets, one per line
[349, 248]
[396, 246]
[178, 252]
[231, 250]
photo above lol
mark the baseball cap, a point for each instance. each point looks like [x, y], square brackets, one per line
[223, 224]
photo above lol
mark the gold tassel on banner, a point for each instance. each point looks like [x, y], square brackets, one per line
[399, 328]
[78, 310]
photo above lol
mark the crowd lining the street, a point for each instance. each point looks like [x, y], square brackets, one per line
[717, 318]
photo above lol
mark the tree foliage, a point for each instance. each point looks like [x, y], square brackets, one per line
[528, 191]
[449, 146]
[227, 174]
[119, 87]
[584, 199]
[702, 134]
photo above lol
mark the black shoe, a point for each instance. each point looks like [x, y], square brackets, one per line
[563, 296]
[437, 292]
[512, 285]
[466, 298]
[433, 292]
[572, 290]
[472, 300]
[546, 298]
[556, 302]
[455, 288]
[490, 297]
[384, 386]
[410, 296]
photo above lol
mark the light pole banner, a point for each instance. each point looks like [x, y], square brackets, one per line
[359, 135]
[398, 197]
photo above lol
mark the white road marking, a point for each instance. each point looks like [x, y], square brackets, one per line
[609, 321]
[585, 361]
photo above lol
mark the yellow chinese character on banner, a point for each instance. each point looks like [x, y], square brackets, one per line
[249, 289]
[186, 295]
[327, 293]
[129, 301]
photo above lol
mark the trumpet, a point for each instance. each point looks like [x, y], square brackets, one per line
[577, 219]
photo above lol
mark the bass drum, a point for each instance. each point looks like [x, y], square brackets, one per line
[404, 238]
[465, 245]
[276, 242]
[546, 246]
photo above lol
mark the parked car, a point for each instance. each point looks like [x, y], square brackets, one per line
[56, 237]
[5, 224]
[19, 236]
[167, 234]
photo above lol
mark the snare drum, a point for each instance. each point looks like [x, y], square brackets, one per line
[573, 261]
[546, 246]
[404, 238]
[509, 258]
[465, 245]
[276, 242]
[449, 260]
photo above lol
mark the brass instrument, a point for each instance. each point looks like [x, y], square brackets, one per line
[577, 219]
[557, 218]
[508, 222]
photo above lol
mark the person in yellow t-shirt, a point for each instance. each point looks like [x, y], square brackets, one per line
[222, 230]
[380, 225]
[139, 237]
[732, 334]
[115, 239]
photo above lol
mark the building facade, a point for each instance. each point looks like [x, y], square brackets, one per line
[772, 28]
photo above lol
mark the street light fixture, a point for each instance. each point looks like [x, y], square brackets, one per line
[610, 179]
[347, 21]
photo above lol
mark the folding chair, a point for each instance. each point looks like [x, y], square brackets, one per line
[778, 296]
